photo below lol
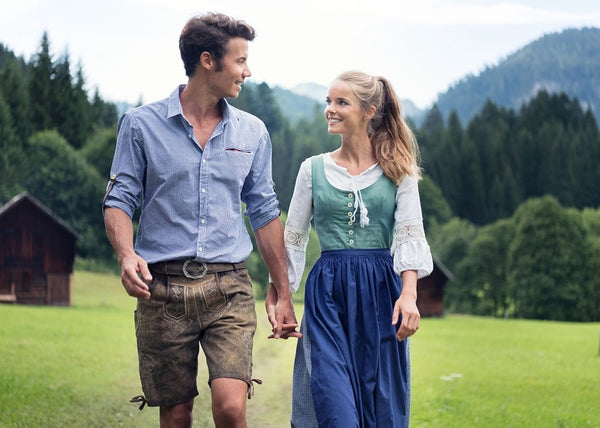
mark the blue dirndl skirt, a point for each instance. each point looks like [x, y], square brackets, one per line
[350, 370]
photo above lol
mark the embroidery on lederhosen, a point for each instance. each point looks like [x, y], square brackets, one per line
[111, 183]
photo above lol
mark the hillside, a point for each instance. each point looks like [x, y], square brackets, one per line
[301, 101]
[295, 106]
[568, 61]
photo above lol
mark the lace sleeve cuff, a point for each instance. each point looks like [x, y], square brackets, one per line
[411, 250]
[295, 248]
[295, 239]
[409, 232]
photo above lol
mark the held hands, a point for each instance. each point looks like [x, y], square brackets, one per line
[135, 276]
[406, 305]
[281, 315]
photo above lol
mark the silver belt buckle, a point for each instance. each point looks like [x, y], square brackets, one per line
[191, 275]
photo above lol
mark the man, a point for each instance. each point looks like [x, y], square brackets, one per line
[189, 161]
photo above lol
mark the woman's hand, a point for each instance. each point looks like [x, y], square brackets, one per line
[406, 309]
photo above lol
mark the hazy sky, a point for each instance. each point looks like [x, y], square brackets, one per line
[129, 48]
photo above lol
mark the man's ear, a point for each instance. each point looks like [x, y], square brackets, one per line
[206, 60]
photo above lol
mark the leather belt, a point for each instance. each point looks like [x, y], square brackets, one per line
[194, 269]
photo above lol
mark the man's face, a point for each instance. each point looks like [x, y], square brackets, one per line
[228, 81]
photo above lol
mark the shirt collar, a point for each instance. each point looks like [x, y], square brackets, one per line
[174, 106]
[226, 109]
[174, 103]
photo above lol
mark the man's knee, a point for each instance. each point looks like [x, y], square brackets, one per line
[229, 402]
[177, 416]
[233, 410]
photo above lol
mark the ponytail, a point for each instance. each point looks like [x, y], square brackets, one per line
[392, 139]
[393, 142]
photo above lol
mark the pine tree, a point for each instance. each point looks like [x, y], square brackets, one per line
[41, 97]
[13, 86]
[10, 155]
[430, 135]
[102, 114]
[445, 163]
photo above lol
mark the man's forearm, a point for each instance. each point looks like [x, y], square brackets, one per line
[269, 240]
[119, 229]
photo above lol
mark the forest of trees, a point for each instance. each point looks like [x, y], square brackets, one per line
[486, 170]
[509, 200]
[51, 131]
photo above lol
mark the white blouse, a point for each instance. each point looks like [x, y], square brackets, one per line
[409, 248]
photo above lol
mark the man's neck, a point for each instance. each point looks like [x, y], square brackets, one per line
[198, 104]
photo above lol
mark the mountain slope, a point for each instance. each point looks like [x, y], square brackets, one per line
[296, 106]
[319, 93]
[568, 62]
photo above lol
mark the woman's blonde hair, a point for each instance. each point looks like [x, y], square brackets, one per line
[393, 141]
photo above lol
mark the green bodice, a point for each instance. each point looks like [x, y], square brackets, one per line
[333, 210]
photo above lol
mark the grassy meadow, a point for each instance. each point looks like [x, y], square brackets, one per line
[77, 367]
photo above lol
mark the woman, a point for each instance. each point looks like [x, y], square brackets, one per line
[352, 365]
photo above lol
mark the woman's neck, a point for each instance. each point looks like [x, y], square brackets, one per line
[356, 156]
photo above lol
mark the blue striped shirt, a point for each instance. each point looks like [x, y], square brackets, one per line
[191, 199]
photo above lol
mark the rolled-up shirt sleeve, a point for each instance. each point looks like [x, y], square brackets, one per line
[410, 249]
[262, 204]
[124, 189]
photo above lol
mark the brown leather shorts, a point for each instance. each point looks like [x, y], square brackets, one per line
[216, 311]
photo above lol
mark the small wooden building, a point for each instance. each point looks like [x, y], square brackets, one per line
[430, 290]
[37, 252]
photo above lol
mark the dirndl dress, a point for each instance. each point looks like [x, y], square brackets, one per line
[350, 370]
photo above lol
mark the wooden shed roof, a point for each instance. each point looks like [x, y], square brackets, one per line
[445, 271]
[23, 197]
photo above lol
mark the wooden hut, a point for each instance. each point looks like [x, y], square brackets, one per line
[430, 291]
[37, 251]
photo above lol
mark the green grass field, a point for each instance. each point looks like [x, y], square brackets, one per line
[77, 367]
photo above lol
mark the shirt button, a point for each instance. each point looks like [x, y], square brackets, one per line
[203, 160]
[350, 195]
[202, 221]
[349, 213]
[350, 232]
[351, 242]
[199, 248]
[349, 204]
[350, 223]
[203, 190]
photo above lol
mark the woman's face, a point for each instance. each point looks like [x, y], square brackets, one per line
[343, 112]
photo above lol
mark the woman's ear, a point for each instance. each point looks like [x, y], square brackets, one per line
[370, 112]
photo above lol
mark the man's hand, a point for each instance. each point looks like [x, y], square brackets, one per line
[281, 315]
[135, 276]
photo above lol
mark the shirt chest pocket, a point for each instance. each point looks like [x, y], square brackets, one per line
[238, 161]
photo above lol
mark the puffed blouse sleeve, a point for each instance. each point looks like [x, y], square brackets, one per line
[410, 249]
[297, 225]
